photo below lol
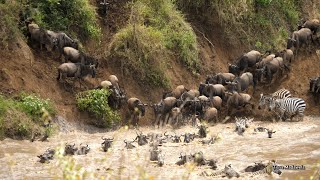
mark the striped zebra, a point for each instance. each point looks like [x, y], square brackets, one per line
[288, 106]
[281, 94]
[266, 99]
[241, 124]
[227, 171]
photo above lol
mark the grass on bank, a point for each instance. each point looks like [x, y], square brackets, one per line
[156, 35]
[21, 117]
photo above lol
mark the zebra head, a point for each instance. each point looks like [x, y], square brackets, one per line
[263, 101]
[272, 103]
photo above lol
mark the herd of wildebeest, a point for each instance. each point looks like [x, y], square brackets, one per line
[222, 93]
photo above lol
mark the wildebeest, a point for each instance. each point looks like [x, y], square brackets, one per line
[63, 40]
[175, 117]
[238, 100]
[220, 78]
[142, 139]
[286, 54]
[184, 159]
[275, 66]
[211, 90]
[177, 92]
[299, 39]
[312, 24]
[40, 35]
[243, 82]
[136, 109]
[314, 87]
[245, 61]
[202, 131]
[76, 56]
[77, 70]
[129, 144]
[83, 150]
[188, 137]
[199, 159]
[160, 159]
[46, 156]
[265, 60]
[163, 110]
[70, 149]
[154, 154]
[256, 167]
[106, 144]
[270, 132]
[211, 114]
[208, 141]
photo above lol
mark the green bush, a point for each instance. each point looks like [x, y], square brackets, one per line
[32, 105]
[95, 102]
[76, 17]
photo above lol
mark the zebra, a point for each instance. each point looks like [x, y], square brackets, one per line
[227, 171]
[281, 94]
[290, 106]
[271, 167]
[266, 99]
[241, 124]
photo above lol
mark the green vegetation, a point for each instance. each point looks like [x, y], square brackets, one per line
[95, 102]
[155, 33]
[261, 24]
[9, 19]
[73, 16]
[20, 118]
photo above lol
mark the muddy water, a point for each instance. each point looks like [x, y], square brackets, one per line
[294, 143]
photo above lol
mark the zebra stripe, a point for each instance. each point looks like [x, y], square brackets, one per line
[281, 94]
[291, 106]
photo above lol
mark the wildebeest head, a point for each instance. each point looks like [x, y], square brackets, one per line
[291, 43]
[142, 139]
[202, 131]
[160, 159]
[129, 144]
[176, 138]
[270, 132]
[48, 155]
[234, 69]
[212, 163]
[106, 144]
[199, 158]
[209, 141]
[183, 160]
[154, 154]
[70, 149]
[188, 137]
[83, 149]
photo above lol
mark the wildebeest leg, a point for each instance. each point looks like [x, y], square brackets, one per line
[166, 120]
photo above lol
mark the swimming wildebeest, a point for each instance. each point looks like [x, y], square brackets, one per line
[70, 149]
[142, 139]
[48, 155]
[83, 149]
[106, 144]
[129, 144]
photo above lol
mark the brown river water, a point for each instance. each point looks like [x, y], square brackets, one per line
[294, 143]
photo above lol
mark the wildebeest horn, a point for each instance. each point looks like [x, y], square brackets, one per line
[87, 145]
[125, 141]
[103, 138]
[74, 144]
